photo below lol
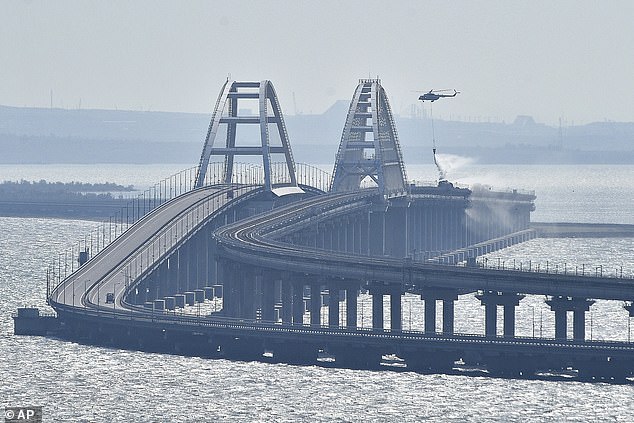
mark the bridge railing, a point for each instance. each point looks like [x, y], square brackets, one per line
[547, 267]
[253, 174]
[104, 233]
[70, 259]
[555, 268]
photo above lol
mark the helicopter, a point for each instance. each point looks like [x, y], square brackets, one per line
[434, 95]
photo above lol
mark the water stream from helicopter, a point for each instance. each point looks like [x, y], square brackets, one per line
[441, 172]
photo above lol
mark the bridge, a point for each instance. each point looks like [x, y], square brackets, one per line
[283, 253]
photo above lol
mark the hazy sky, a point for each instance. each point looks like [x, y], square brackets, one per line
[573, 59]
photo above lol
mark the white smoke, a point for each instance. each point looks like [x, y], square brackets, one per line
[450, 163]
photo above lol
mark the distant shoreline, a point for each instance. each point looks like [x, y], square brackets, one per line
[81, 210]
[69, 200]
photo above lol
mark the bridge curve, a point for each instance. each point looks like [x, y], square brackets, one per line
[256, 241]
[160, 231]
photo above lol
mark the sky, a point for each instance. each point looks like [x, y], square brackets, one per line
[549, 59]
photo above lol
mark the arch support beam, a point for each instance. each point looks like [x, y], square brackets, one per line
[279, 176]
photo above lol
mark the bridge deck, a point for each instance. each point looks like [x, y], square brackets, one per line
[144, 244]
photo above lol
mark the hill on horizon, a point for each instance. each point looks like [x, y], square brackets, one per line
[39, 135]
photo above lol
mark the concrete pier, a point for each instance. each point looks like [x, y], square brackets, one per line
[490, 300]
[561, 306]
[448, 297]
[333, 304]
[179, 300]
[170, 303]
[315, 304]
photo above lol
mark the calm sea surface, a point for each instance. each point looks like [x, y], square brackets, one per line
[92, 384]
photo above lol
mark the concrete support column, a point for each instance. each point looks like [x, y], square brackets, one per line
[192, 263]
[232, 292]
[191, 260]
[212, 264]
[490, 300]
[163, 276]
[319, 236]
[333, 304]
[287, 300]
[298, 302]
[328, 234]
[237, 291]
[351, 306]
[337, 235]
[171, 271]
[377, 232]
[579, 324]
[561, 305]
[396, 321]
[448, 316]
[248, 293]
[430, 315]
[268, 296]
[561, 323]
[509, 321]
[349, 227]
[490, 319]
[448, 297]
[181, 255]
[395, 232]
[377, 310]
[222, 268]
[202, 260]
[364, 246]
[315, 304]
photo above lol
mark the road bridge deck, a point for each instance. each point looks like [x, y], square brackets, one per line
[157, 232]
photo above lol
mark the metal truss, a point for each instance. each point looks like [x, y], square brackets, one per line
[369, 144]
[226, 113]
